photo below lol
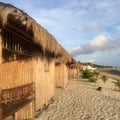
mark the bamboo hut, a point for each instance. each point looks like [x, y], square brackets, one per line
[74, 69]
[31, 62]
[61, 74]
[27, 53]
[61, 69]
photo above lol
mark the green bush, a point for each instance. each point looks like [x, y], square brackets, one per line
[92, 79]
[91, 76]
[97, 73]
[104, 78]
[117, 84]
[86, 73]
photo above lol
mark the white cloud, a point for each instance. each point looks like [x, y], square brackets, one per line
[99, 44]
[89, 60]
[98, 41]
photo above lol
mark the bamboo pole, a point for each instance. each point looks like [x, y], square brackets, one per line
[0, 74]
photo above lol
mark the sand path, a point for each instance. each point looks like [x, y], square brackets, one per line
[81, 101]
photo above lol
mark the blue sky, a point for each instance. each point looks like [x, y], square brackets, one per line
[88, 29]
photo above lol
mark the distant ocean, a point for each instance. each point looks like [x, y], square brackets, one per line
[113, 71]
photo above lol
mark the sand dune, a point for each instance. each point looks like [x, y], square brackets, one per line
[81, 101]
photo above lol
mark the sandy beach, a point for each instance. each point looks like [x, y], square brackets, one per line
[81, 101]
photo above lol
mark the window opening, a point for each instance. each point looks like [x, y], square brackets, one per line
[15, 47]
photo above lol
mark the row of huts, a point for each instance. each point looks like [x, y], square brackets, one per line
[32, 64]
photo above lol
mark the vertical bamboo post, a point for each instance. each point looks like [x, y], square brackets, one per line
[0, 74]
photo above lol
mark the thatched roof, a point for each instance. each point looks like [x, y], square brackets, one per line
[42, 37]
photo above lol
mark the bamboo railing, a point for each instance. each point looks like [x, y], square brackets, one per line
[14, 99]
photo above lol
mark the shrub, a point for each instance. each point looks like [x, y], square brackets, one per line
[97, 73]
[104, 78]
[117, 84]
[92, 79]
[86, 73]
[91, 76]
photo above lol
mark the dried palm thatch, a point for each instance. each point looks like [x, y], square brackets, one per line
[66, 57]
[40, 36]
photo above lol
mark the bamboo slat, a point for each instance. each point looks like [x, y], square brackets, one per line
[0, 73]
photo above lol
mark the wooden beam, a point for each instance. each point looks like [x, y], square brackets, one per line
[17, 52]
[17, 34]
[17, 29]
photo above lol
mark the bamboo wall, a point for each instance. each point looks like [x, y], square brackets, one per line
[44, 81]
[18, 73]
[15, 74]
[61, 75]
[72, 72]
[26, 113]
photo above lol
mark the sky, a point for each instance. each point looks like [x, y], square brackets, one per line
[88, 29]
